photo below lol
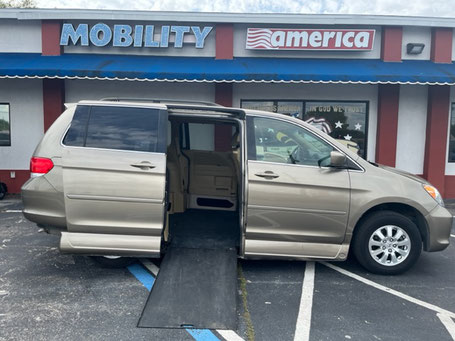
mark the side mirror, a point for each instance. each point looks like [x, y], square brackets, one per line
[337, 159]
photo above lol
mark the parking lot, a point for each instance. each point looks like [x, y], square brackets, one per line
[45, 295]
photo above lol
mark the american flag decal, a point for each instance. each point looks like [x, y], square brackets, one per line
[259, 38]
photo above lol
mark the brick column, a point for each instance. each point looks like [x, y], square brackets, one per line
[441, 45]
[53, 89]
[50, 38]
[386, 138]
[436, 135]
[224, 41]
[391, 42]
[223, 133]
[53, 100]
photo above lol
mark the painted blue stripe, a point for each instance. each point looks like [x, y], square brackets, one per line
[142, 275]
[202, 335]
[148, 280]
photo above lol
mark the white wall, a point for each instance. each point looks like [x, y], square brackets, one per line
[20, 36]
[240, 44]
[77, 90]
[416, 35]
[317, 92]
[26, 121]
[412, 123]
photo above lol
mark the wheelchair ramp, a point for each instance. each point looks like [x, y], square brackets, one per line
[195, 288]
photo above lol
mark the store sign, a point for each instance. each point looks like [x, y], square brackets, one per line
[137, 36]
[309, 39]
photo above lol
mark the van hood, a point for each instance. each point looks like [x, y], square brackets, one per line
[403, 173]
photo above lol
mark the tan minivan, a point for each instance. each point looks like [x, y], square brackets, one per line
[111, 176]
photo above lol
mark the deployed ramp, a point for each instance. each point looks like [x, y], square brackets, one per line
[195, 288]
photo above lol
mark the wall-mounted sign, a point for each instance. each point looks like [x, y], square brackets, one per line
[136, 36]
[309, 39]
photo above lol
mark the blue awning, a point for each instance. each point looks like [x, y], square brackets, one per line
[196, 69]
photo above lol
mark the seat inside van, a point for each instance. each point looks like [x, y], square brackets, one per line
[202, 183]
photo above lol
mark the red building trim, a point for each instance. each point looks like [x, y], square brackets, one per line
[223, 133]
[14, 185]
[53, 100]
[436, 136]
[441, 45]
[386, 138]
[224, 41]
[391, 43]
[50, 38]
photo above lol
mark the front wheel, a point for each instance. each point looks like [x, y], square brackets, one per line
[387, 243]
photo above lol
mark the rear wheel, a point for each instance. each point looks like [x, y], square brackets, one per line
[114, 261]
[387, 243]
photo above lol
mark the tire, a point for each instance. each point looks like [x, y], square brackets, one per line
[3, 190]
[379, 251]
[116, 263]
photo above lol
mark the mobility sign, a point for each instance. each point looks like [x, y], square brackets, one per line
[309, 39]
[137, 36]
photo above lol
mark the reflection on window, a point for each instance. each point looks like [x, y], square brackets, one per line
[452, 135]
[345, 121]
[5, 131]
[123, 128]
[282, 142]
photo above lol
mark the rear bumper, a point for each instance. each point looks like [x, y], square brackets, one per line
[439, 226]
[42, 203]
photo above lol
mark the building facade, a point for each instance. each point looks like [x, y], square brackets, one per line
[383, 85]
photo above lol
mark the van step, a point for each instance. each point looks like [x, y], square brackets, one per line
[195, 288]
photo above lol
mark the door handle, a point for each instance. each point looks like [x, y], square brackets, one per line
[267, 174]
[144, 165]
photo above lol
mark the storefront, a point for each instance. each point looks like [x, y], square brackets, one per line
[383, 86]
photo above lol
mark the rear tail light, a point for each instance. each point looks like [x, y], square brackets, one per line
[40, 166]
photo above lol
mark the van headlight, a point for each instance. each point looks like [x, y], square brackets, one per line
[431, 190]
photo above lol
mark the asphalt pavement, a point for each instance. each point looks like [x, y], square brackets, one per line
[46, 295]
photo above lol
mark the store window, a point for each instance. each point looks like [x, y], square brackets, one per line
[5, 131]
[345, 121]
[451, 157]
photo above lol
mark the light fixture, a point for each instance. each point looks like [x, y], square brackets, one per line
[414, 48]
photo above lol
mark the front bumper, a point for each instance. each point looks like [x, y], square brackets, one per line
[439, 222]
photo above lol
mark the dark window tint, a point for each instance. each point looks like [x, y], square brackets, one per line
[452, 135]
[5, 131]
[123, 128]
[76, 133]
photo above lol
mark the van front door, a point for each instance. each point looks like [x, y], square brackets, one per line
[114, 178]
[295, 207]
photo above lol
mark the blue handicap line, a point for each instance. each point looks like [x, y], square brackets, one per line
[148, 280]
[202, 335]
[142, 275]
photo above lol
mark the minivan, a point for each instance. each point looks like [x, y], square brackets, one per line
[116, 177]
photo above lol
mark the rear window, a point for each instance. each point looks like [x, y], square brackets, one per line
[123, 128]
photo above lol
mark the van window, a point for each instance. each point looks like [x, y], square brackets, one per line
[273, 140]
[75, 136]
[110, 127]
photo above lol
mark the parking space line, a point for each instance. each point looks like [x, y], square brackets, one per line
[303, 325]
[229, 335]
[452, 235]
[150, 266]
[12, 211]
[448, 323]
[390, 290]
